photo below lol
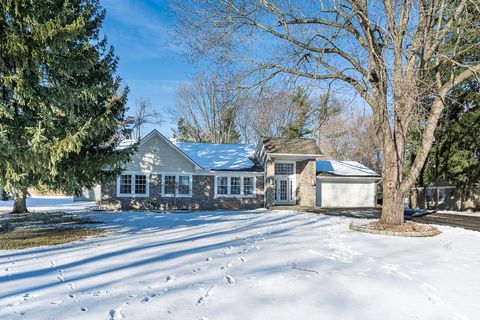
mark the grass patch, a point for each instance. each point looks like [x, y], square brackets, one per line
[45, 218]
[28, 238]
[20, 231]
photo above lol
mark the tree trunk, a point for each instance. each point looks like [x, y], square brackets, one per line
[392, 208]
[393, 197]
[20, 202]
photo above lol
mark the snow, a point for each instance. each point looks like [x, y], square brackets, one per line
[51, 203]
[126, 143]
[243, 265]
[344, 168]
[213, 156]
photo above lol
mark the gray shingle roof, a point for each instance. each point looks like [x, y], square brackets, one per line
[291, 145]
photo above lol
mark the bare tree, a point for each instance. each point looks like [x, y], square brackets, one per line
[144, 114]
[387, 51]
[206, 110]
[351, 136]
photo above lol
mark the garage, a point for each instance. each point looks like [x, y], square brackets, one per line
[345, 184]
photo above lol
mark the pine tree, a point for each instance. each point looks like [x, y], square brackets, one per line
[61, 103]
[300, 125]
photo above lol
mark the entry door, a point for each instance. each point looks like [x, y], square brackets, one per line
[283, 190]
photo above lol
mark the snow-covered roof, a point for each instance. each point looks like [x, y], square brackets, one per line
[212, 156]
[126, 143]
[344, 168]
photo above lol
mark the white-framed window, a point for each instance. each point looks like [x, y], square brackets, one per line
[222, 185]
[131, 184]
[169, 185]
[234, 186]
[248, 186]
[125, 184]
[176, 185]
[284, 168]
[140, 184]
[184, 185]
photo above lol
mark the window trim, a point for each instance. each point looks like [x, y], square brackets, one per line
[177, 176]
[132, 193]
[229, 186]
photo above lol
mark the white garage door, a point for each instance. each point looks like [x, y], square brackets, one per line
[345, 194]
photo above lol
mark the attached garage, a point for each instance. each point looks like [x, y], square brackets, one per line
[345, 184]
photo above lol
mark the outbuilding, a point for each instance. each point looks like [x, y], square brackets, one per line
[345, 184]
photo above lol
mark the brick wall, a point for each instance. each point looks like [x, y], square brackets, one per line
[203, 197]
[306, 178]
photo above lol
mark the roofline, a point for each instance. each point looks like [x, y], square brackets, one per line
[297, 154]
[331, 175]
[183, 154]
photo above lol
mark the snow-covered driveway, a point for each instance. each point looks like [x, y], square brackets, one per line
[243, 265]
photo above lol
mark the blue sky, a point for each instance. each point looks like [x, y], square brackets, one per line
[151, 63]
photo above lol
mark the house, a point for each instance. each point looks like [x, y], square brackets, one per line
[277, 171]
[441, 195]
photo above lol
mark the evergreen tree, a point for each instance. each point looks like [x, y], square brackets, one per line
[300, 125]
[61, 105]
[455, 155]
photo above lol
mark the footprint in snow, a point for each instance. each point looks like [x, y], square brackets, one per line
[209, 259]
[228, 265]
[72, 285]
[230, 279]
[171, 278]
[115, 315]
[206, 296]
[243, 259]
[57, 302]
[148, 298]
[84, 309]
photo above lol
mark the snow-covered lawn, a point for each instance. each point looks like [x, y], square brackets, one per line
[243, 265]
[50, 203]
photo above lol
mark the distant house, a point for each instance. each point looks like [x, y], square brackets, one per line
[444, 196]
[277, 171]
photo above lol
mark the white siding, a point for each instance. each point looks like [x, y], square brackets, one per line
[89, 194]
[345, 193]
[156, 155]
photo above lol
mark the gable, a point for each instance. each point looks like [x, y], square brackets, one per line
[157, 154]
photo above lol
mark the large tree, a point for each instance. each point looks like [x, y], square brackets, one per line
[61, 104]
[206, 110]
[384, 50]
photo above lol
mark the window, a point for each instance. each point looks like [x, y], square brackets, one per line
[235, 188]
[248, 186]
[222, 185]
[284, 169]
[441, 195]
[132, 185]
[125, 184]
[184, 185]
[140, 184]
[169, 185]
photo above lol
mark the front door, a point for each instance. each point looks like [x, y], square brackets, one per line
[284, 190]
